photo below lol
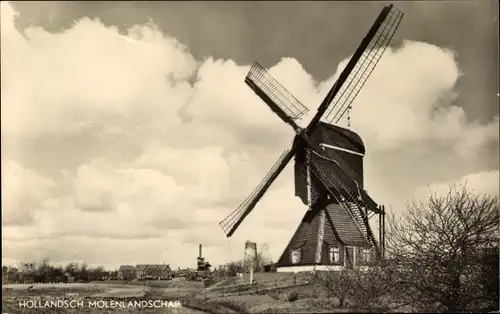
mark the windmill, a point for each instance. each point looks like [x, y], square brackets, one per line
[328, 161]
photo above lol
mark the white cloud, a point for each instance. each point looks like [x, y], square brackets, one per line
[478, 183]
[153, 148]
[23, 193]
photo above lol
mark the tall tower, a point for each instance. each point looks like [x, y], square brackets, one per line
[201, 260]
[250, 259]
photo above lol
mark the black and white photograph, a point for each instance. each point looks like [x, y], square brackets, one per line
[198, 157]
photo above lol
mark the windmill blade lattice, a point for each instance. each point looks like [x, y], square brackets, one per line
[263, 83]
[233, 220]
[346, 172]
[364, 67]
[351, 204]
[333, 173]
[338, 173]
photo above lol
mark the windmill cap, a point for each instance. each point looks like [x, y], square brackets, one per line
[335, 135]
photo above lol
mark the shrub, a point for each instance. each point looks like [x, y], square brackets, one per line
[273, 294]
[293, 296]
[369, 287]
[208, 282]
[337, 283]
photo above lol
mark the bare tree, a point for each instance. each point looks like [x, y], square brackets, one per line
[337, 283]
[372, 287]
[262, 257]
[233, 268]
[367, 288]
[441, 245]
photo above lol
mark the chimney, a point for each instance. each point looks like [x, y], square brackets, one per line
[200, 252]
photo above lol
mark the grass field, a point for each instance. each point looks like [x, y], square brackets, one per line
[267, 304]
[272, 296]
[266, 280]
[14, 296]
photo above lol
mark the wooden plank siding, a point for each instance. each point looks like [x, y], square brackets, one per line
[351, 164]
[305, 237]
[345, 229]
[343, 138]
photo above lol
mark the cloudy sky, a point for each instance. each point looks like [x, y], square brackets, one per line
[128, 132]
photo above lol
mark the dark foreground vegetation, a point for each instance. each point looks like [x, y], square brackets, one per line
[442, 256]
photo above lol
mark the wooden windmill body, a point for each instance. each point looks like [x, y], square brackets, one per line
[328, 235]
[335, 231]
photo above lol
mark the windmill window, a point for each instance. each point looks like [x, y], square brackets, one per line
[334, 254]
[366, 255]
[296, 256]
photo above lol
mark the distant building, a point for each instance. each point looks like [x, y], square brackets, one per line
[153, 271]
[68, 277]
[270, 268]
[250, 258]
[186, 273]
[126, 272]
[202, 265]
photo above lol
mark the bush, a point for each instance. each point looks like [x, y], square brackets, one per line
[337, 283]
[293, 296]
[273, 294]
[370, 287]
[208, 282]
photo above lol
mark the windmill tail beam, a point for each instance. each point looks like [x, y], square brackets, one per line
[320, 236]
[382, 230]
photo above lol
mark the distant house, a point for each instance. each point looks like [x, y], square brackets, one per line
[185, 272]
[270, 268]
[68, 277]
[126, 272]
[5, 276]
[113, 275]
[153, 271]
[140, 271]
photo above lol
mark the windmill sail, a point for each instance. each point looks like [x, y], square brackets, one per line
[364, 67]
[367, 55]
[233, 220]
[274, 94]
[330, 172]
